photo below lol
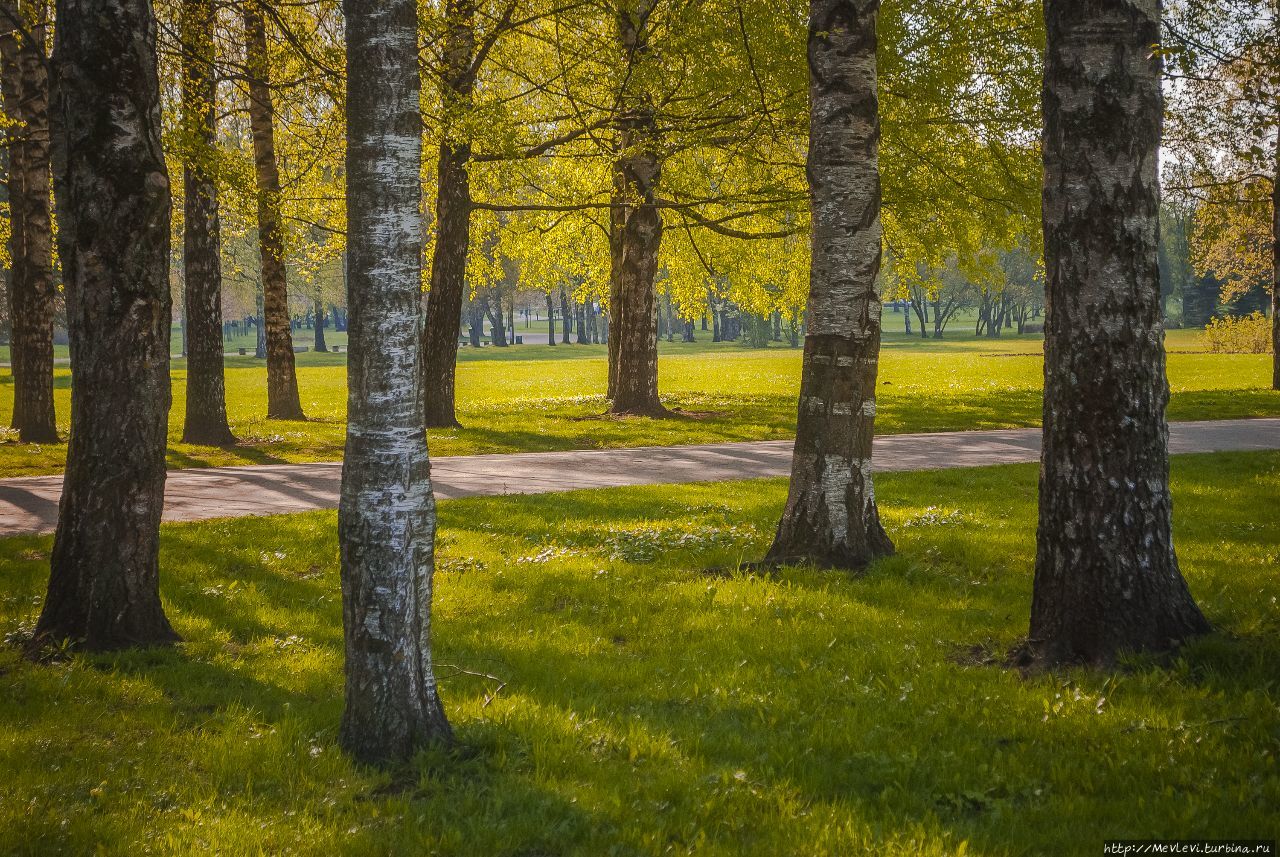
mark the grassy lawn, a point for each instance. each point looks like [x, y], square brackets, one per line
[538, 397]
[649, 708]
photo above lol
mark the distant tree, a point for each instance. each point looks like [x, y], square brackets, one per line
[319, 315]
[283, 402]
[32, 290]
[1225, 129]
[831, 517]
[1023, 284]
[205, 421]
[387, 516]
[1106, 576]
[1176, 272]
[113, 206]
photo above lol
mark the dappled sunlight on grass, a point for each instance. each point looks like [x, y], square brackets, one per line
[649, 707]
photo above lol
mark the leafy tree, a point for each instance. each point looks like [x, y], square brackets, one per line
[112, 192]
[1225, 111]
[1106, 576]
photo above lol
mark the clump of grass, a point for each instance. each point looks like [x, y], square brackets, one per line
[611, 698]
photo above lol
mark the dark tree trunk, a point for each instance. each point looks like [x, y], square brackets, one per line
[635, 236]
[1275, 271]
[566, 316]
[206, 415]
[386, 517]
[493, 308]
[551, 320]
[113, 239]
[453, 223]
[475, 324]
[831, 517]
[581, 319]
[1106, 578]
[260, 329]
[320, 344]
[31, 288]
[282, 377]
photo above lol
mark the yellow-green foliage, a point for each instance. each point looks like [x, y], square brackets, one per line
[1248, 334]
[652, 709]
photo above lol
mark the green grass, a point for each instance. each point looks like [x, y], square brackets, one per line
[652, 709]
[537, 397]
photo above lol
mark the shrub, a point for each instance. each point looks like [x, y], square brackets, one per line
[1249, 334]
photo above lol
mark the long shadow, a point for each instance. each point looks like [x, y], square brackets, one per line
[178, 460]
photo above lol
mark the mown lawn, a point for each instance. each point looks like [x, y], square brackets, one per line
[650, 708]
[537, 397]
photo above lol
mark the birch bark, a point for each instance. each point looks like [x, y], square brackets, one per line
[32, 291]
[386, 516]
[1106, 579]
[831, 517]
[113, 202]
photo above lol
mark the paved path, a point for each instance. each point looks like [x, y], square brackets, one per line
[30, 504]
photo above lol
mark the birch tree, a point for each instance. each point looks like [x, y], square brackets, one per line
[386, 517]
[32, 290]
[112, 192]
[831, 517]
[1106, 575]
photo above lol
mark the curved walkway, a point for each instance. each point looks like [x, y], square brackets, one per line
[30, 504]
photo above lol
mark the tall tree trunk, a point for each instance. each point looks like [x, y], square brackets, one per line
[493, 308]
[1275, 271]
[113, 239]
[453, 221]
[566, 316]
[551, 320]
[581, 319]
[1106, 577]
[260, 328]
[319, 342]
[206, 414]
[635, 236]
[282, 377]
[386, 516]
[475, 323]
[831, 517]
[31, 288]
